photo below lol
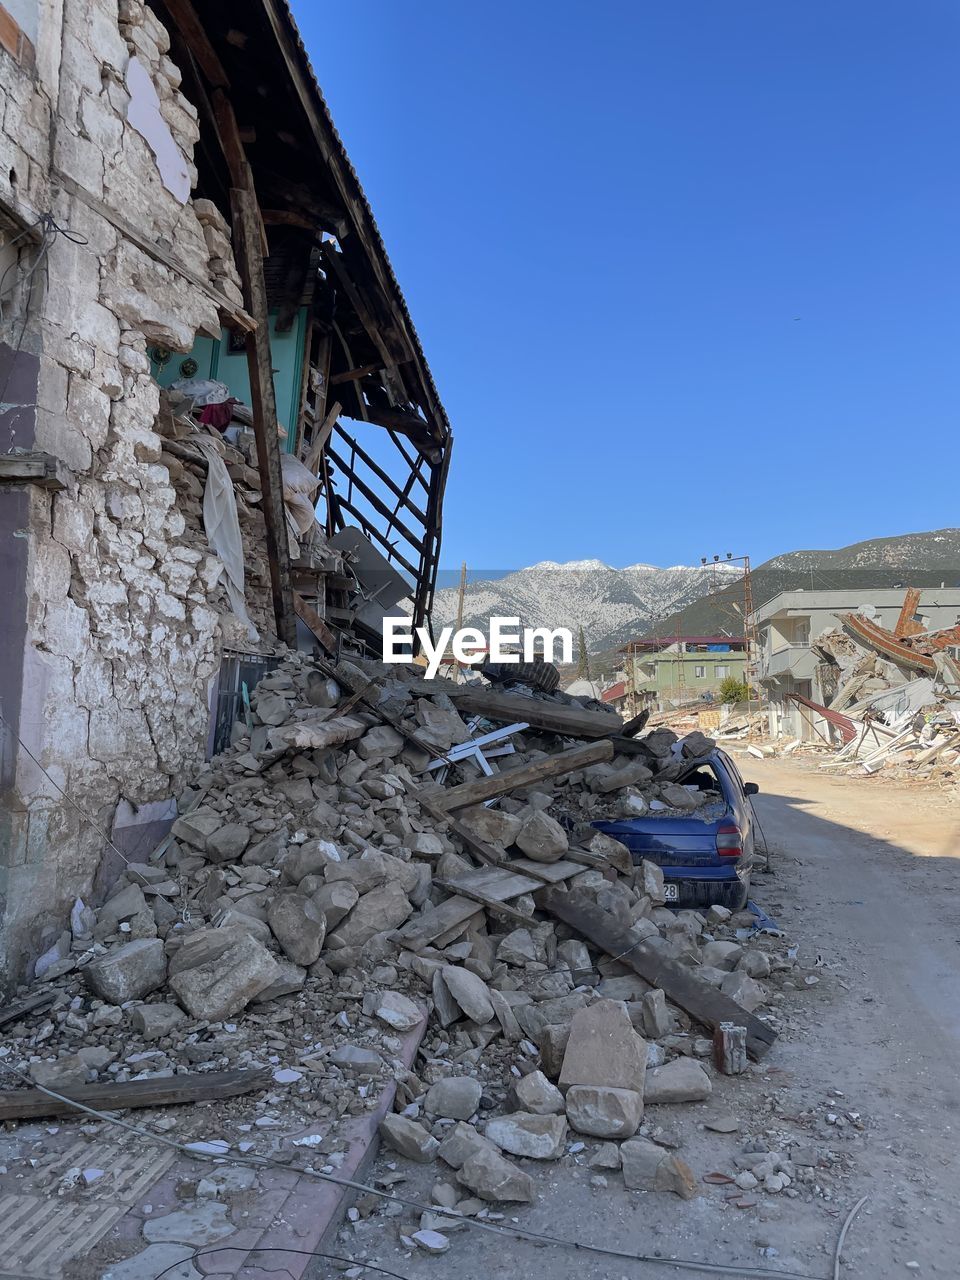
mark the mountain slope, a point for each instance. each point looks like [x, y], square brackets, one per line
[612, 605]
[910, 559]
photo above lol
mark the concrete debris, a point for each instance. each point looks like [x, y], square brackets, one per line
[462, 1142]
[681, 1080]
[488, 1175]
[604, 1049]
[409, 1138]
[534, 1093]
[128, 972]
[604, 1112]
[456, 1098]
[647, 1167]
[538, 1137]
[470, 992]
[304, 916]
[541, 837]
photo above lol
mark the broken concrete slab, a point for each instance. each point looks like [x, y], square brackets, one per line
[299, 926]
[460, 1143]
[336, 901]
[61, 1073]
[493, 826]
[198, 1224]
[376, 912]
[154, 1021]
[741, 987]
[169, 1261]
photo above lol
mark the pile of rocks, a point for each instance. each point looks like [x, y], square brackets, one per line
[279, 926]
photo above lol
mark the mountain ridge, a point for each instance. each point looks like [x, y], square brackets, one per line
[616, 605]
[611, 605]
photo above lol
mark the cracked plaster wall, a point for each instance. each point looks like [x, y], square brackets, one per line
[122, 637]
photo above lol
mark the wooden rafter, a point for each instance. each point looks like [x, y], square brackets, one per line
[246, 227]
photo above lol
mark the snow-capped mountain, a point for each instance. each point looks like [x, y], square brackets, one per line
[612, 605]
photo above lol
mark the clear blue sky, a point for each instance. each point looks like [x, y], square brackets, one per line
[686, 271]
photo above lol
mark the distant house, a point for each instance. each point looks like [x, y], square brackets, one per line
[616, 696]
[667, 672]
[788, 627]
[582, 688]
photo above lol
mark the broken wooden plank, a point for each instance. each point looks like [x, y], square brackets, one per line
[489, 904]
[500, 783]
[487, 853]
[246, 238]
[521, 875]
[539, 713]
[237, 317]
[423, 930]
[619, 861]
[679, 983]
[29, 1004]
[320, 438]
[41, 469]
[496, 883]
[162, 1091]
[314, 623]
[633, 727]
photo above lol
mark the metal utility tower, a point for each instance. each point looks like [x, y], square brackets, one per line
[681, 675]
[751, 643]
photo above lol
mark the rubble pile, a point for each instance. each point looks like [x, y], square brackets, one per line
[893, 701]
[313, 904]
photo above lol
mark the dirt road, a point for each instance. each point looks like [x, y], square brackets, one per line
[866, 879]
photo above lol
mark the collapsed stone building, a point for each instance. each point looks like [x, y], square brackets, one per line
[176, 207]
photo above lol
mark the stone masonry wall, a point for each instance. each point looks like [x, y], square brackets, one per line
[122, 639]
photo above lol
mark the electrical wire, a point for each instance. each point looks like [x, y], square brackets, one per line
[843, 1235]
[682, 1264]
[279, 1248]
[49, 230]
[86, 817]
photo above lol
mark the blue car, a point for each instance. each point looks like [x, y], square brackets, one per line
[705, 855]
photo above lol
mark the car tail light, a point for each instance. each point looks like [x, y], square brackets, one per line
[729, 841]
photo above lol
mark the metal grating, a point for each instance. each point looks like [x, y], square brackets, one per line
[236, 670]
[42, 1232]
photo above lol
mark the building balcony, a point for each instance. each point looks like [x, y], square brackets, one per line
[796, 660]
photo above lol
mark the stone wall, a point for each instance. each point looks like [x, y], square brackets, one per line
[122, 618]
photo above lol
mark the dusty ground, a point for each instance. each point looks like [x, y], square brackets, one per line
[865, 876]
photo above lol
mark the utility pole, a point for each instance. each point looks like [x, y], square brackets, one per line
[463, 590]
[681, 678]
[751, 646]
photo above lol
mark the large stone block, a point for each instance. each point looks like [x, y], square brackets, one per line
[222, 986]
[604, 1049]
[603, 1112]
[129, 972]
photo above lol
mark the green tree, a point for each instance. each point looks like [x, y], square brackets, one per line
[733, 689]
[583, 661]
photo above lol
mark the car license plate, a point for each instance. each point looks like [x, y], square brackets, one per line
[671, 892]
